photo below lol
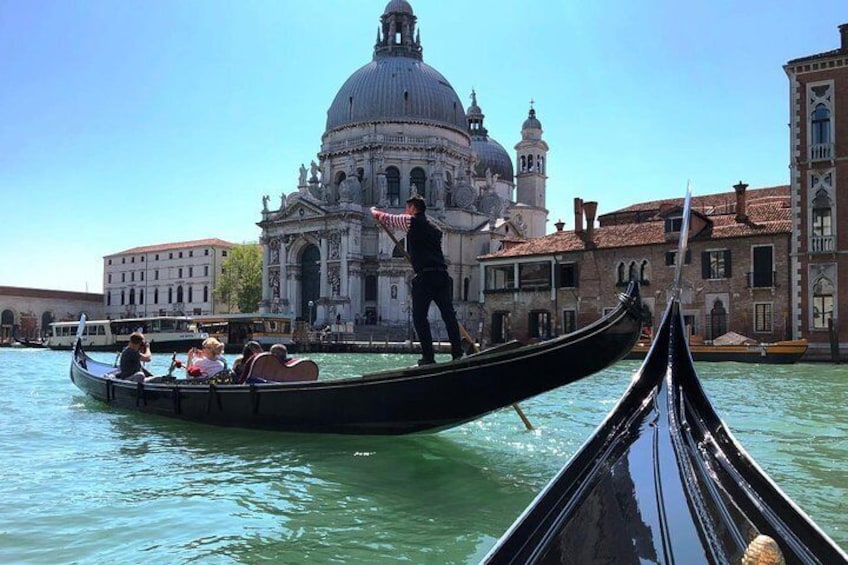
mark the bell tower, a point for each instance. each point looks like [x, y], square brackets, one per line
[531, 161]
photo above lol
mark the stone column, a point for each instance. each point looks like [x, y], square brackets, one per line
[325, 288]
[343, 257]
[265, 303]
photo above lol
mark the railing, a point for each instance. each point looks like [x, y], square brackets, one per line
[821, 244]
[821, 152]
[761, 279]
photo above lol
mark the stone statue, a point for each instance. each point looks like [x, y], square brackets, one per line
[491, 179]
[301, 181]
[313, 167]
[265, 200]
[282, 201]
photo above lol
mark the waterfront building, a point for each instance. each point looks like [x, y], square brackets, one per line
[736, 276]
[395, 128]
[26, 313]
[819, 184]
[166, 279]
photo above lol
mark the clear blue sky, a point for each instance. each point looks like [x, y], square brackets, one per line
[129, 122]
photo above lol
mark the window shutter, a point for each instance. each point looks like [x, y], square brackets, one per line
[705, 264]
[728, 272]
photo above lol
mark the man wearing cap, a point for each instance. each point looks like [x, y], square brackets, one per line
[431, 282]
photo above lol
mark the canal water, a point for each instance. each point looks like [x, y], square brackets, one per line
[85, 483]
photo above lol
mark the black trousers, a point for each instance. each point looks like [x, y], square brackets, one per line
[428, 287]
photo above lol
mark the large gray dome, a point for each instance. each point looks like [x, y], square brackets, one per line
[396, 85]
[491, 155]
[396, 88]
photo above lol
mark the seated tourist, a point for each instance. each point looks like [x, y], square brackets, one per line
[207, 361]
[280, 351]
[251, 348]
[134, 354]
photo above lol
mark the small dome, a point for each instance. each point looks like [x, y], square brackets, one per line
[491, 155]
[531, 122]
[398, 6]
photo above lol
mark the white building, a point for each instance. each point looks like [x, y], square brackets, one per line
[166, 279]
[397, 127]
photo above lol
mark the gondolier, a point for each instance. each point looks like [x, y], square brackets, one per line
[431, 282]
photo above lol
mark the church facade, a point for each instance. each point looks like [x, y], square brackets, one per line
[396, 128]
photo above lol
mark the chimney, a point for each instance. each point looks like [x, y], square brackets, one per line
[578, 215]
[591, 208]
[741, 212]
[843, 33]
[559, 225]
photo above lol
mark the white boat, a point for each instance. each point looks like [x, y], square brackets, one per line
[97, 335]
[164, 333]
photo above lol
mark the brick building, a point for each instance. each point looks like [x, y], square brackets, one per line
[819, 188]
[25, 313]
[737, 278]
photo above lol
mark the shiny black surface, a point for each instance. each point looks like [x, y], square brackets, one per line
[662, 480]
[409, 400]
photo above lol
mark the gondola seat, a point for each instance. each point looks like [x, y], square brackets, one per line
[268, 367]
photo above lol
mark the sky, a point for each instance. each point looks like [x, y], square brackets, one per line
[139, 122]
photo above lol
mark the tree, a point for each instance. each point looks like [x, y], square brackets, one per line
[240, 283]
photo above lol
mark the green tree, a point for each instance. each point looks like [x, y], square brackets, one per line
[240, 283]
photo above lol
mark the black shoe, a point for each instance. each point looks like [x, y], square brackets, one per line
[424, 361]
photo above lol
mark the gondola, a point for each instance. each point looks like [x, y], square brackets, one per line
[662, 480]
[415, 399]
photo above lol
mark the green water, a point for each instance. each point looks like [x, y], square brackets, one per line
[88, 484]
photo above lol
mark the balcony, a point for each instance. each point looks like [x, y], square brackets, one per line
[761, 279]
[821, 244]
[821, 152]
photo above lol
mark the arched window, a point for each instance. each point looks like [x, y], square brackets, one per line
[540, 163]
[633, 272]
[820, 126]
[645, 272]
[170, 295]
[141, 296]
[180, 294]
[523, 164]
[393, 186]
[155, 296]
[822, 302]
[206, 294]
[621, 278]
[123, 298]
[418, 182]
[191, 294]
[530, 163]
[108, 298]
[448, 189]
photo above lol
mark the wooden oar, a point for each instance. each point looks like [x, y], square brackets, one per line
[462, 331]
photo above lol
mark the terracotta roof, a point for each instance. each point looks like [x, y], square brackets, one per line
[721, 203]
[768, 212]
[212, 242]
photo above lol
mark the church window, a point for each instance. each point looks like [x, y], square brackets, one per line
[418, 181]
[523, 164]
[529, 162]
[540, 164]
[393, 186]
[371, 287]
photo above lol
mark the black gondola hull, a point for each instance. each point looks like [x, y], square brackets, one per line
[412, 400]
[662, 480]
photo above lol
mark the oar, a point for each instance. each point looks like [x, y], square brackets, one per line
[462, 331]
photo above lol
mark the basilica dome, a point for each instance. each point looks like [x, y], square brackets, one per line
[397, 85]
[490, 154]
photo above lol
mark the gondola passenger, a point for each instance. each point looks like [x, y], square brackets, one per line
[251, 348]
[207, 361]
[134, 354]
